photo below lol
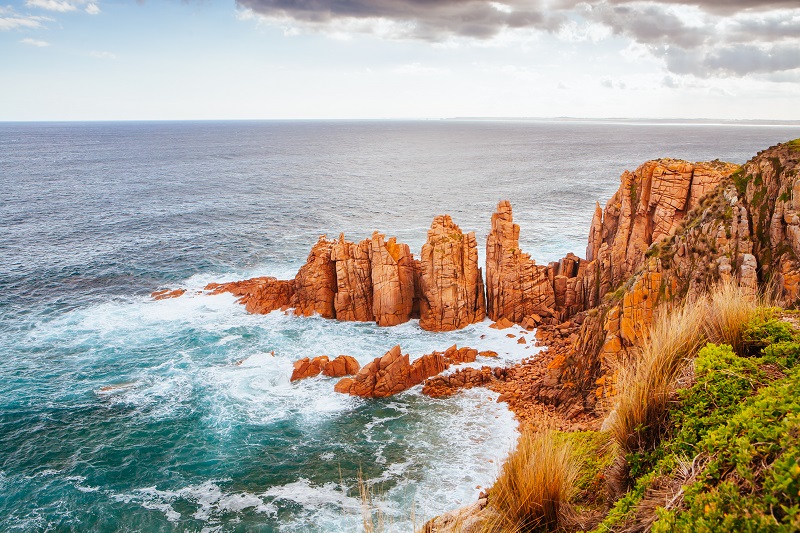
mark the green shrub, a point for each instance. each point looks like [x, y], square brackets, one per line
[724, 380]
[752, 480]
[764, 328]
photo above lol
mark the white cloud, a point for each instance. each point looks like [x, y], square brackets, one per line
[102, 55]
[34, 42]
[92, 9]
[9, 20]
[62, 6]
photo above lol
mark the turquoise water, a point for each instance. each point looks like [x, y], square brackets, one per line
[119, 413]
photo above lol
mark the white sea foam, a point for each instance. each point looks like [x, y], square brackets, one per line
[203, 348]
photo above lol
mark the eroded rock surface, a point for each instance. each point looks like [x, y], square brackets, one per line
[450, 280]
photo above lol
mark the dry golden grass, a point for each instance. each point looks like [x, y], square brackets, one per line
[729, 309]
[535, 486]
[639, 416]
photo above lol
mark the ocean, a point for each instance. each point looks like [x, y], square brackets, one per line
[120, 413]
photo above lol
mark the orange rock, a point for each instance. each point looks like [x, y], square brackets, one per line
[167, 293]
[521, 340]
[315, 282]
[393, 281]
[451, 283]
[353, 300]
[515, 285]
[306, 368]
[466, 378]
[259, 295]
[344, 365]
[502, 323]
[393, 373]
[487, 353]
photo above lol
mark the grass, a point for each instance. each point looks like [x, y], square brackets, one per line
[637, 421]
[535, 486]
[729, 310]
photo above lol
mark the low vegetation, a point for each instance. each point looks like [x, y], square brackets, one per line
[705, 436]
[535, 486]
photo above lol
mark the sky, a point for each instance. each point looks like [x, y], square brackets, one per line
[404, 59]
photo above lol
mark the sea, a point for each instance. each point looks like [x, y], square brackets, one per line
[121, 413]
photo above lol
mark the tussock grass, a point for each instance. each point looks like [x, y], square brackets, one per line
[641, 410]
[729, 309]
[535, 486]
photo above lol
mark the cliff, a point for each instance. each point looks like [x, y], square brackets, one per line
[742, 227]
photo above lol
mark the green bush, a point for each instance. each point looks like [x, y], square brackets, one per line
[765, 329]
[752, 481]
[724, 380]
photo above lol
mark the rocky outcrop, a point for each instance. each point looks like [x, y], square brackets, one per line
[393, 372]
[353, 299]
[450, 280]
[770, 185]
[467, 378]
[315, 283]
[393, 281]
[515, 285]
[344, 365]
[649, 206]
[308, 368]
[166, 294]
[259, 295]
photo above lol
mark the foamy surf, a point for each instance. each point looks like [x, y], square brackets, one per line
[257, 448]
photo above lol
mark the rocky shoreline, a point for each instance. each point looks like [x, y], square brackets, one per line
[672, 229]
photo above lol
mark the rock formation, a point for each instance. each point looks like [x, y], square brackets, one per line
[344, 365]
[516, 286]
[259, 295]
[393, 281]
[308, 368]
[648, 206]
[353, 300]
[166, 294]
[393, 372]
[770, 186]
[315, 283]
[450, 281]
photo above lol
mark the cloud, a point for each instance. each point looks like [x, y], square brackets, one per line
[11, 20]
[92, 9]
[61, 6]
[702, 38]
[724, 7]
[34, 42]
[429, 20]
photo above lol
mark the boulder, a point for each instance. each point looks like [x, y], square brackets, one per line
[344, 365]
[307, 368]
[259, 295]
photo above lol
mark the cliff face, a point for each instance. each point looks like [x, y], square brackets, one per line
[516, 286]
[770, 185]
[451, 283]
[648, 207]
[736, 224]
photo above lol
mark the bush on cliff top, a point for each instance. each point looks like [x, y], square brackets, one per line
[731, 461]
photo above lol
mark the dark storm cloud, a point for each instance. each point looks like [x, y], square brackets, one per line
[426, 19]
[730, 38]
